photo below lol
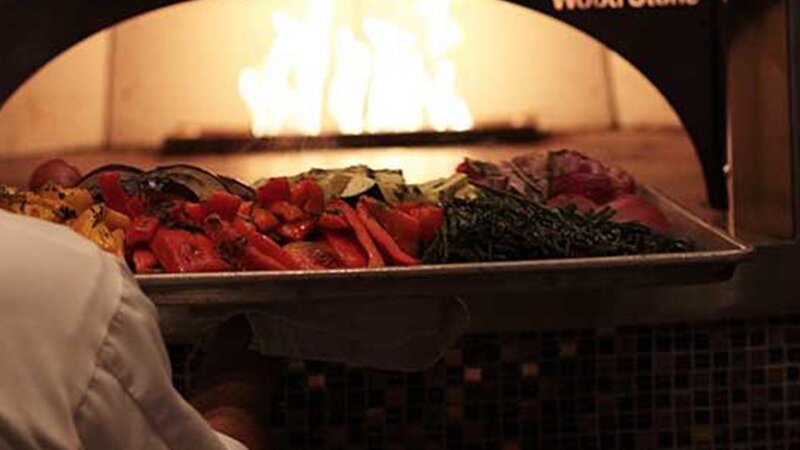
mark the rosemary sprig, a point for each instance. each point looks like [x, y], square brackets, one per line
[502, 226]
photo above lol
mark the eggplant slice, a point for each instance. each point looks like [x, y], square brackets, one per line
[183, 181]
[238, 188]
[129, 176]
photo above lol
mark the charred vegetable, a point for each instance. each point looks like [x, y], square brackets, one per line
[351, 182]
[357, 186]
[181, 218]
[54, 171]
[237, 187]
[180, 181]
[129, 178]
[183, 181]
[501, 226]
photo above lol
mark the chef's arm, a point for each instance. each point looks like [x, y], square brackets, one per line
[229, 407]
[235, 385]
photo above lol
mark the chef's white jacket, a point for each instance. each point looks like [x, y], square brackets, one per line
[82, 362]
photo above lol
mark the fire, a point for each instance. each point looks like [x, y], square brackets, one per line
[379, 77]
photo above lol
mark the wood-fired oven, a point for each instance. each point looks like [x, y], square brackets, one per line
[725, 68]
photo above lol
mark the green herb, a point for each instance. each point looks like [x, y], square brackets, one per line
[502, 226]
[66, 213]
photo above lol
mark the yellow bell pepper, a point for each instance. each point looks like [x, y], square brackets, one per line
[78, 199]
[85, 222]
[115, 220]
[73, 207]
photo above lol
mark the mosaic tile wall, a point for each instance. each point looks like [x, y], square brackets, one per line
[711, 385]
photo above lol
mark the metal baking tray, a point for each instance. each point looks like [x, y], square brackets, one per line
[715, 260]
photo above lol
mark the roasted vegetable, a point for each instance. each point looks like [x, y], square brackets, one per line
[501, 226]
[580, 202]
[346, 248]
[54, 171]
[263, 219]
[314, 255]
[274, 190]
[403, 228]
[501, 176]
[268, 247]
[113, 193]
[179, 181]
[72, 207]
[180, 251]
[254, 259]
[351, 182]
[181, 218]
[430, 218]
[357, 186]
[144, 261]
[183, 181]
[129, 178]
[456, 185]
[383, 239]
[286, 211]
[223, 203]
[308, 195]
[632, 208]
[296, 231]
[374, 258]
[574, 173]
[92, 224]
[245, 192]
[332, 219]
[141, 230]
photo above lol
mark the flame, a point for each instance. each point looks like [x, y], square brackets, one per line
[381, 82]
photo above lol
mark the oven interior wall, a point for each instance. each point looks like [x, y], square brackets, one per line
[176, 69]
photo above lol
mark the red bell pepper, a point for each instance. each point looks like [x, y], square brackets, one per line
[223, 203]
[195, 212]
[296, 231]
[180, 251]
[229, 241]
[383, 239]
[205, 258]
[466, 168]
[263, 219]
[144, 261]
[245, 208]
[314, 255]
[346, 248]
[243, 226]
[253, 259]
[430, 218]
[141, 230]
[403, 228]
[113, 193]
[267, 246]
[136, 205]
[332, 219]
[175, 211]
[374, 258]
[309, 196]
[286, 211]
[275, 189]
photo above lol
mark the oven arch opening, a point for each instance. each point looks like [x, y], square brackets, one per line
[619, 62]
